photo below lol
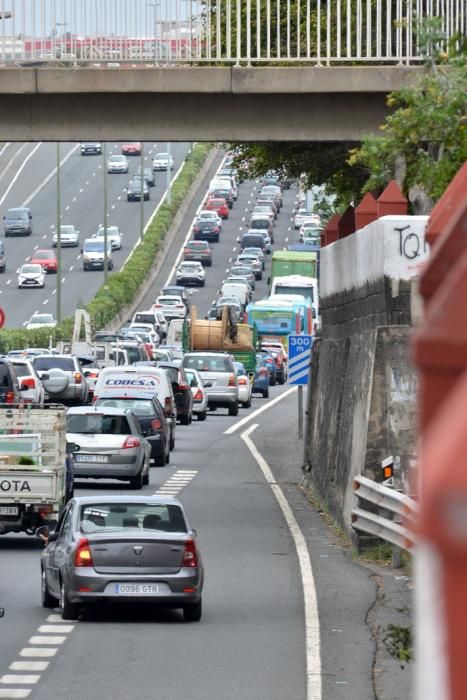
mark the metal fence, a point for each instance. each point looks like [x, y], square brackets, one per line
[214, 32]
[393, 528]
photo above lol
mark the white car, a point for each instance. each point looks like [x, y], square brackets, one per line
[117, 164]
[114, 235]
[69, 236]
[30, 275]
[171, 306]
[162, 161]
[303, 215]
[245, 387]
[208, 215]
[310, 232]
[198, 390]
[41, 321]
[28, 377]
[191, 272]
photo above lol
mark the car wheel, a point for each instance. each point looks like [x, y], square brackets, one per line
[185, 420]
[233, 409]
[160, 460]
[247, 404]
[172, 444]
[48, 601]
[69, 611]
[281, 379]
[167, 457]
[202, 415]
[136, 482]
[265, 393]
[146, 477]
[192, 612]
[272, 381]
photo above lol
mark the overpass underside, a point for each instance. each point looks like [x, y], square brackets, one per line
[196, 103]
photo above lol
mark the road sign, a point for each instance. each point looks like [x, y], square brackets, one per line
[2, 318]
[299, 358]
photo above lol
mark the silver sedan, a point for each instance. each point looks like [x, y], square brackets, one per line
[130, 549]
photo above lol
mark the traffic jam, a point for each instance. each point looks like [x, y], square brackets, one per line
[85, 424]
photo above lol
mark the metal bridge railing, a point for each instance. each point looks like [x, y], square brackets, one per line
[403, 511]
[220, 32]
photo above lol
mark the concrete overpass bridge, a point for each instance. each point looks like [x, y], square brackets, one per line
[208, 69]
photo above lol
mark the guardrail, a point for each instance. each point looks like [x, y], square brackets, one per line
[213, 32]
[401, 506]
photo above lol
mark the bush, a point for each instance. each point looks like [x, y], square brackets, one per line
[122, 287]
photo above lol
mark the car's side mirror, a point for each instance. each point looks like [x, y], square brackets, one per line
[207, 385]
[2, 612]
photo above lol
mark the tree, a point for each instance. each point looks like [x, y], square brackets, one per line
[427, 128]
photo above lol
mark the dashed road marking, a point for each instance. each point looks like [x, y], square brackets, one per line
[13, 679]
[45, 302]
[28, 666]
[30, 652]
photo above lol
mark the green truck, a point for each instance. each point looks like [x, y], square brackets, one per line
[291, 262]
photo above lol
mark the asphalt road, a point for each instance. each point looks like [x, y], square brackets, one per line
[250, 643]
[27, 178]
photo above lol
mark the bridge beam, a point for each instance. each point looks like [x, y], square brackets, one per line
[197, 103]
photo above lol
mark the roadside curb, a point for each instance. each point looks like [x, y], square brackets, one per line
[196, 185]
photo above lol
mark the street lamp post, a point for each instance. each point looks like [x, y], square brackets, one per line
[104, 170]
[58, 228]
[141, 209]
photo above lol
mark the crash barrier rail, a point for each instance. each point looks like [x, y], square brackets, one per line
[391, 529]
[213, 32]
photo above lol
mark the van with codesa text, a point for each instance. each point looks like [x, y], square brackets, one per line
[129, 381]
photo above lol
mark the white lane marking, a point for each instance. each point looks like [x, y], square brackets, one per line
[56, 618]
[47, 179]
[233, 428]
[230, 260]
[74, 199]
[94, 174]
[113, 206]
[44, 236]
[78, 257]
[28, 665]
[9, 281]
[312, 631]
[29, 652]
[48, 629]
[71, 268]
[14, 693]
[54, 291]
[45, 302]
[36, 247]
[87, 182]
[119, 197]
[63, 279]
[67, 207]
[13, 679]
[234, 249]
[49, 641]
[81, 190]
[243, 218]
[19, 171]
[187, 471]
[286, 239]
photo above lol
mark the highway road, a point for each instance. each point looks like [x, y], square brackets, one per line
[27, 178]
[253, 642]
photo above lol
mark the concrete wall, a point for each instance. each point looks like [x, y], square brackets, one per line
[197, 103]
[361, 399]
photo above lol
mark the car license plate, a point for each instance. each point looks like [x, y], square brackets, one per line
[101, 459]
[9, 510]
[136, 589]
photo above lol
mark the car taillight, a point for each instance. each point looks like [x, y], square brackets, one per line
[30, 382]
[92, 375]
[10, 397]
[182, 386]
[196, 229]
[168, 406]
[232, 380]
[190, 555]
[263, 371]
[198, 396]
[130, 442]
[157, 306]
[242, 381]
[83, 556]
[156, 424]
[77, 378]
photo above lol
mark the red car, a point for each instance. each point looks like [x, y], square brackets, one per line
[131, 149]
[46, 258]
[219, 205]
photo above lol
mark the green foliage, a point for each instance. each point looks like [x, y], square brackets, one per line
[427, 126]
[399, 643]
[123, 286]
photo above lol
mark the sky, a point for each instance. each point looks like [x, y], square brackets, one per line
[91, 17]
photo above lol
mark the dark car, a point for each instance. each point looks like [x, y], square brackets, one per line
[10, 391]
[181, 389]
[206, 231]
[270, 363]
[122, 549]
[152, 421]
[134, 189]
[262, 378]
[199, 251]
[94, 149]
[223, 193]
[252, 239]
[148, 175]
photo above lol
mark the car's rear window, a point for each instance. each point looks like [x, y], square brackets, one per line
[172, 373]
[45, 363]
[140, 407]
[22, 370]
[207, 363]
[5, 377]
[197, 245]
[102, 517]
[97, 424]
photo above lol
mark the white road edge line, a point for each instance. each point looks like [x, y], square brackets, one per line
[233, 428]
[19, 171]
[312, 629]
[47, 179]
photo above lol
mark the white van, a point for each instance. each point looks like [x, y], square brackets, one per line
[130, 381]
[240, 291]
[93, 251]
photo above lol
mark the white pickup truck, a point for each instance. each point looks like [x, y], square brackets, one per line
[36, 476]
